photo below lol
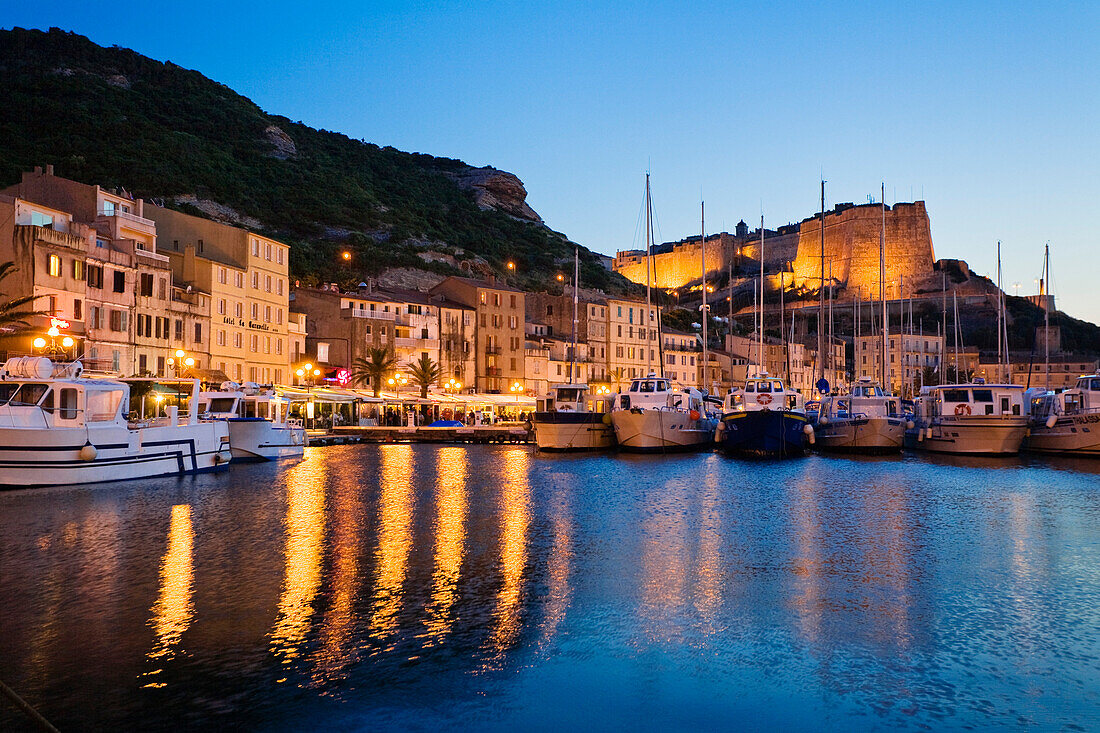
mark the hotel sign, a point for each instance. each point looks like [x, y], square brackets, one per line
[246, 324]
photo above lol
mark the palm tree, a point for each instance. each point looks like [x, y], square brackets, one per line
[424, 373]
[15, 312]
[617, 374]
[373, 369]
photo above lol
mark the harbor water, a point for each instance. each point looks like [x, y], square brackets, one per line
[420, 587]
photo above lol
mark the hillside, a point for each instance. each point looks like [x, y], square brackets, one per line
[114, 117]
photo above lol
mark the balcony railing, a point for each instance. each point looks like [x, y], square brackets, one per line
[373, 315]
[411, 343]
[494, 350]
[52, 236]
[493, 371]
[127, 216]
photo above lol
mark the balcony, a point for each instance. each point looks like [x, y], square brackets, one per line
[493, 371]
[52, 236]
[410, 343]
[373, 315]
[415, 320]
[154, 259]
[494, 350]
[128, 217]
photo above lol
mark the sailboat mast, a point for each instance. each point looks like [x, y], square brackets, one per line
[703, 263]
[1044, 286]
[821, 295]
[648, 279]
[955, 306]
[762, 291]
[1000, 314]
[829, 346]
[576, 282]
[882, 291]
[783, 327]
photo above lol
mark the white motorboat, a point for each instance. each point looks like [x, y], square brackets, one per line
[570, 418]
[259, 429]
[57, 427]
[654, 416]
[867, 420]
[973, 418]
[1067, 422]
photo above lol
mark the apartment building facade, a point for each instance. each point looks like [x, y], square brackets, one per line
[246, 277]
[498, 332]
[909, 356]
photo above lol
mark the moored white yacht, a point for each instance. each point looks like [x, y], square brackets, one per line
[973, 418]
[866, 420]
[1068, 422]
[570, 418]
[259, 429]
[59, 428]
[654, 416]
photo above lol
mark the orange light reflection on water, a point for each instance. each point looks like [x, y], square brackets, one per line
[395, 514]
[513, 553]
[450, 538]
[305, 533]
[173, 611]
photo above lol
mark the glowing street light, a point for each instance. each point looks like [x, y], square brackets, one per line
[515, 389]
[346, 255]
[40, 343]
[511, 265]
[452, 385]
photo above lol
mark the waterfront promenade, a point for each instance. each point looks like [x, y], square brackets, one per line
[416, 587]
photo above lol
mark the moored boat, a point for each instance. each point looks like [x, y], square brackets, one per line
[654, 416]
[765, 419]
[867, 420]
[570, 418]
[973, 418]
[1067, 422]
[259, 429]
[57, 427]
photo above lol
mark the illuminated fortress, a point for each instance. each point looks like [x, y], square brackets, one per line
[851, 250]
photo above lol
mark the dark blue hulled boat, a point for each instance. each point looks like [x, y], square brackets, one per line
[765, 419]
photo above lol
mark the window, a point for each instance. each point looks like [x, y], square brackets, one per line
[78, 309]
[322, 351]
[496, 299]
[95, 318]
[255, 311]
[109, 208]
[146, 284]
[119, 282]
[179, 330]
[222, 275]
[279, 286]
[255, 280]
[198, 333]
[267, 344]
[255, 247]
[278, 350]
[254, 343]
[237, 340]
[511, 301]
[78, 269]
[200, 245]
[238, 279]
[279, 316]
[221, 306]
[267, 283]
[267, 314]
[267, 251]
[483, 296]
[117, 320]
[221, 337]
[162, 293]
[279, 255]
[53, 266]
[239, 310]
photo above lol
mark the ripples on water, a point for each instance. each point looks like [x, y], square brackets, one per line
[418, 587]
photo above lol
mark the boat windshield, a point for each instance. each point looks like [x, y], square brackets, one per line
[569, 395]
[24, 395]
[764, 387]
[221, 404]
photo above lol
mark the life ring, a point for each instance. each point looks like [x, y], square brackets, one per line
[764, 399]
[694, 415]
[565, 408]
[962, 409]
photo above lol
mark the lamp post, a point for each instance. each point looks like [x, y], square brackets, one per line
[452, 385]
[180, 362]
[515, 389]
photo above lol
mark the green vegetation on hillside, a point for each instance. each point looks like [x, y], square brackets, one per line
[114, 117]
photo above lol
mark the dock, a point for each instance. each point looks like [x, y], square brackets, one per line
[403, 434]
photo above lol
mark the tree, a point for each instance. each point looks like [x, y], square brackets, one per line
[424, 373]
[372, 370]
[617, 374]
[15, 312]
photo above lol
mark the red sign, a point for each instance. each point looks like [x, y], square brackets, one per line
[58, 323]
[343, 377]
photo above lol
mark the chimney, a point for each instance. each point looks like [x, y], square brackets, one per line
[38, 170]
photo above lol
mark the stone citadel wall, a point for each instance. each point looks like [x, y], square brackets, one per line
[851, 245]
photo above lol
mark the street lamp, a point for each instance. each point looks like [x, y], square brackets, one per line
[511, 265]
[397, 381]
[452, 385]
[516, 388]
[180, 361]
[346, 255]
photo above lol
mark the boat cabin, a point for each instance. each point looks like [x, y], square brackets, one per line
[1084, 397]
[570, 398]
[865, 399]
[964, 400]
[763, 393]
[658, 392]
[242, 405]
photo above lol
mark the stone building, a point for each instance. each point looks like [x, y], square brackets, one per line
[852, 234]
[498, 331]
[245, 274]
[910, 354]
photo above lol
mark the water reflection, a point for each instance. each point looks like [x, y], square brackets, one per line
[708, 574]
[665, 561]
[450, 537]
[173, 610]
[337, 643]
[305, 532]
[395, 515]
[558, 564]
[513, 552]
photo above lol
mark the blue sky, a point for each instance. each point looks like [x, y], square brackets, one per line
[988, 110]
